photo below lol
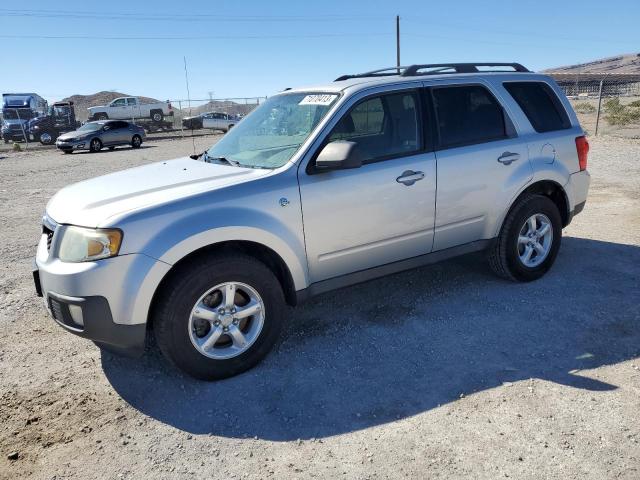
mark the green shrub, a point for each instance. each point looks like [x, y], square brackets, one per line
[585, 107]
[618, 114]
[635, 103]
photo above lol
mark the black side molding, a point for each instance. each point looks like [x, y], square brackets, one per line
[390, 268]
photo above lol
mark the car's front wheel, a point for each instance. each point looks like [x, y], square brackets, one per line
[136, 141]
[529, 240]
[219, 315]
[95, 145]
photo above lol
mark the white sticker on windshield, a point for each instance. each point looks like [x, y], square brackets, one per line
[318, 99]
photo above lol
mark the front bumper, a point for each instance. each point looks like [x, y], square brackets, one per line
[106, 301]
[72, 144]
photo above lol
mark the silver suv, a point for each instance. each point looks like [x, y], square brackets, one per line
[318, 188]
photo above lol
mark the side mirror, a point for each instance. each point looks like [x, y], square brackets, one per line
[339, 155]
[105, 128]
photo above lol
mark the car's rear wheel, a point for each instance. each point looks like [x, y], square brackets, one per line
[156, 116]
[95, 145]
[136, 141]
[529, 240]
[219, 315]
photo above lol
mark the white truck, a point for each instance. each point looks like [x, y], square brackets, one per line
[131, 108]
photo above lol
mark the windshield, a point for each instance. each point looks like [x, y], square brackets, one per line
[18, 113]
[90, 127]
[273, 132]
[59, 111]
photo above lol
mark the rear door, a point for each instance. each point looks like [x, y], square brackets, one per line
[122, 132]
[482, 163]
[133, 108]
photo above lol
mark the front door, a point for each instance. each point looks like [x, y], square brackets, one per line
[381, 212]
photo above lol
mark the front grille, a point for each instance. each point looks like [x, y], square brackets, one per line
[48, 229]
[49, 234]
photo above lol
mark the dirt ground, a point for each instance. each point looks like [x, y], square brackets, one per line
[441, 372]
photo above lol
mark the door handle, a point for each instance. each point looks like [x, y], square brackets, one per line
[507, 158]
[409, 177]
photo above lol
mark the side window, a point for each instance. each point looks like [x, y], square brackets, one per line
[119, 102]
[467, 114]
[131, 102]
[119, 125]
[383, 126]
[540, 104]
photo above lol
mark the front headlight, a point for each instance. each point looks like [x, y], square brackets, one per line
[81, 244]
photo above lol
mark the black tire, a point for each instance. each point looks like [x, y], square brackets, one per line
[503, 256]
[46, 138]
[157, 116]
[101, 116]
[95, 145]
[179, 295]
[136, 141]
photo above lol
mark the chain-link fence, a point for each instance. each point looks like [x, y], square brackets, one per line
[605, 104]
[179, 117]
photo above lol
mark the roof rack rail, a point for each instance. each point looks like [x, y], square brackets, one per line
[440, 68]
[381, 72]
[436, 69]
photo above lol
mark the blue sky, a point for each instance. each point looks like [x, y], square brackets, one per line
[252, 48]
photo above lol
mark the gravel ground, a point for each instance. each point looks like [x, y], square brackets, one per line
[440, 372]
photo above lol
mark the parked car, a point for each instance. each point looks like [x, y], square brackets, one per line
[128, 108]
[193, 122]
[316, 189]
[94, 136]
[59, 119]
[219, 121]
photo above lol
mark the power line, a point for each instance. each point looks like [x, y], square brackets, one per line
[196, 37]
[182, 17]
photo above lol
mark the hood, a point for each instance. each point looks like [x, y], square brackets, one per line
[75, 134]
[94, 203]
[91, 109]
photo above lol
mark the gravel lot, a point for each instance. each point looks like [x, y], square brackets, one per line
[441, 372]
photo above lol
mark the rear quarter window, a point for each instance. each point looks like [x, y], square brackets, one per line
[540, 104]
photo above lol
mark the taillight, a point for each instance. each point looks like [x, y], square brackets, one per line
[582, 146]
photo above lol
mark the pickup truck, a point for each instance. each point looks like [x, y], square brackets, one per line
[126, 108]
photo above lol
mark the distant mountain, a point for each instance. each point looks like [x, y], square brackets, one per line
[627, 63]
[82, 102]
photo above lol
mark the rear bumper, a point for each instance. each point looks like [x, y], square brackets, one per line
[577, 189]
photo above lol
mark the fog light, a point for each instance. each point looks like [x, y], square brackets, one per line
[76, 314]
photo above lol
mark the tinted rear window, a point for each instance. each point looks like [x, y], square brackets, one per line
[468, 114]
[540, 104]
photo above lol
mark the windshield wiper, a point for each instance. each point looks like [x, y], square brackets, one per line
[209, 159]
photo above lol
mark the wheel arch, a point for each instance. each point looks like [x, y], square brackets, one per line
[259, 251]
[548, 188]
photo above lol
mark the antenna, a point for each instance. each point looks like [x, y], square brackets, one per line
[186, 79]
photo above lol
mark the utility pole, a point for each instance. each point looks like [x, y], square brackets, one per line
[398, 43]
[211, 96]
